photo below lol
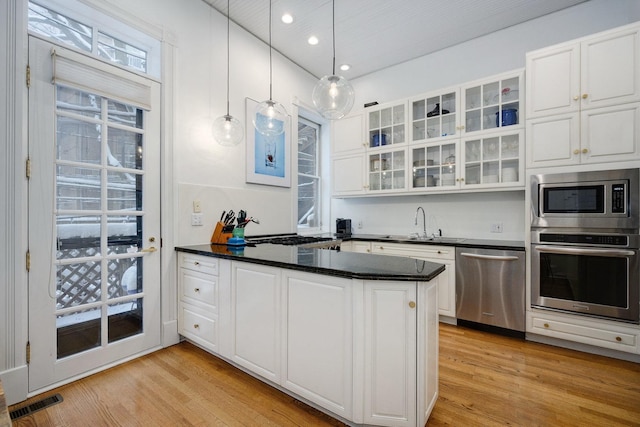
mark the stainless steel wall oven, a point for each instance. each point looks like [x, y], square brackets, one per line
[585, 242]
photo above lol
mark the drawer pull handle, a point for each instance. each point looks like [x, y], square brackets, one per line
[196, 326]
[196, 289]
[546, 325]
[618, 339]
[412, 304]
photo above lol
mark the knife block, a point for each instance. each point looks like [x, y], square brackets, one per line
[221, 233]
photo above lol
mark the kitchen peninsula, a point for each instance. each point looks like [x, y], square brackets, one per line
[353, 334]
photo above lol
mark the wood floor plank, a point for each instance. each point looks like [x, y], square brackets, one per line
[485, 380]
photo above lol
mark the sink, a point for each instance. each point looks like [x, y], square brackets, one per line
[437, 239]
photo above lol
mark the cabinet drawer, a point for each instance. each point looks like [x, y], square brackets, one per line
[415, 251]
[198, 327]
[200, 287]
[585, 334]
[203, 264]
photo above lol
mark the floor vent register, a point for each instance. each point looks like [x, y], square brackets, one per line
[35, 406]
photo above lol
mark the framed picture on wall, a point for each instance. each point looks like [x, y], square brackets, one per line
[268, 158]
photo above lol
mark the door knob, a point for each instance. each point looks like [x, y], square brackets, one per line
[151, 249]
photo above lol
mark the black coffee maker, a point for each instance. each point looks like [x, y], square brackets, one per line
[343, 227]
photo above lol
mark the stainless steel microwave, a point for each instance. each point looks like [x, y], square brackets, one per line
[588, 200]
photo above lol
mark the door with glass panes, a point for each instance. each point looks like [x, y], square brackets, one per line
[94, 217]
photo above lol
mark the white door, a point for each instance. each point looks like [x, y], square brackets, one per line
[94, 220]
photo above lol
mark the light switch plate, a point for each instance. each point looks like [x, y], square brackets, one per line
[196, 207]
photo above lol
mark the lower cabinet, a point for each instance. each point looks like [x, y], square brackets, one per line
[439, 254]
[365, 351]
[390, 317]
[599, 333]
[255, 326]
[318, 329]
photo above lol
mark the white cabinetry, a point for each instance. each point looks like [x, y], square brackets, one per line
[446, 281]
[356, 246]
[583, 100]
[198, 292]
[366, 351]
[318, 336]
[390, 353]
[386, 151]
[348, 146]
[599, 333]
[255, 326]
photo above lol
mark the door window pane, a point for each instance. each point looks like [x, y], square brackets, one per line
[53, 25]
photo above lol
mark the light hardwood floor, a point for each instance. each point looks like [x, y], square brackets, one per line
[485, 380]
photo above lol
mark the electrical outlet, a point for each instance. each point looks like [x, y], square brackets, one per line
[496, 227]
[196, 219]
[196, 207]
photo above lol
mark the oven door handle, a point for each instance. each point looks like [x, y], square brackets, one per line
[492, 257]
[583, 251]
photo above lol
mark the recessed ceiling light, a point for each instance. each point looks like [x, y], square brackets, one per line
[345, 67]
[287, 18]
[313, 40]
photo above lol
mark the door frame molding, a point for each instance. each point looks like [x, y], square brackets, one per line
[14, 191]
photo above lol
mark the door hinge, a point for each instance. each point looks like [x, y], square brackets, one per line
[28, 77]
[28, 352]
[28, 167]
[28, 261]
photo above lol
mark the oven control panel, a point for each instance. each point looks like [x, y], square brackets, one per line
[586, 239]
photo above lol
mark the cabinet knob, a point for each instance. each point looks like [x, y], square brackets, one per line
[381, 248]
[576, 151]
[584, 96]
[575, 98]
[196, 263]
[618, 339]
[196, 290]
[585, 151]
[439, 252]
[412, 304]
[196, 326]
[368, 250]
[546, 325]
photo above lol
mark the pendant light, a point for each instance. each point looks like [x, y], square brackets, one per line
[270, 116]
[228, 130]
[333, 95]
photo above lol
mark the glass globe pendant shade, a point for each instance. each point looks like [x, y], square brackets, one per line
[227, 130]
[270, 118]
[333, 96]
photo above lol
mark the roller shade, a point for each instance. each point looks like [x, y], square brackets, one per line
[76, 70]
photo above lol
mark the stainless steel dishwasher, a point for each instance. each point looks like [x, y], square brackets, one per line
[490, 288]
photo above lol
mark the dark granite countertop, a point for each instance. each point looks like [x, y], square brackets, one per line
[443, 241]
[322, 261]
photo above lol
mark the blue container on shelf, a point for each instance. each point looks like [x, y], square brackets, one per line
[378, 139]
[509, 117]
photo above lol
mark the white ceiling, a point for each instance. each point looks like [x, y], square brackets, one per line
[375, 34]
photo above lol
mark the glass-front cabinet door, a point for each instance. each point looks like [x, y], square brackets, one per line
[386, 125]
[387, 170]
[493, 160]
[434, 116]
[493, 104]
[434, 166]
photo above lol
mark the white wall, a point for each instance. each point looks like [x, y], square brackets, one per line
[469, 215]
[203, 170]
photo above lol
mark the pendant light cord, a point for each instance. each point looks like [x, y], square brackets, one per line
[333, 25]
[228, 55]
[270, 60]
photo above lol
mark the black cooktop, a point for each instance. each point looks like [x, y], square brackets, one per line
[289, 239]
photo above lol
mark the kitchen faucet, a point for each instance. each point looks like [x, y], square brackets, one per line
[424, 221]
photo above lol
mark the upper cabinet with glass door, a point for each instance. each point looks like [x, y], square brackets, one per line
[435, 116]
[386, 125]
[387, 140]
[493, 103]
